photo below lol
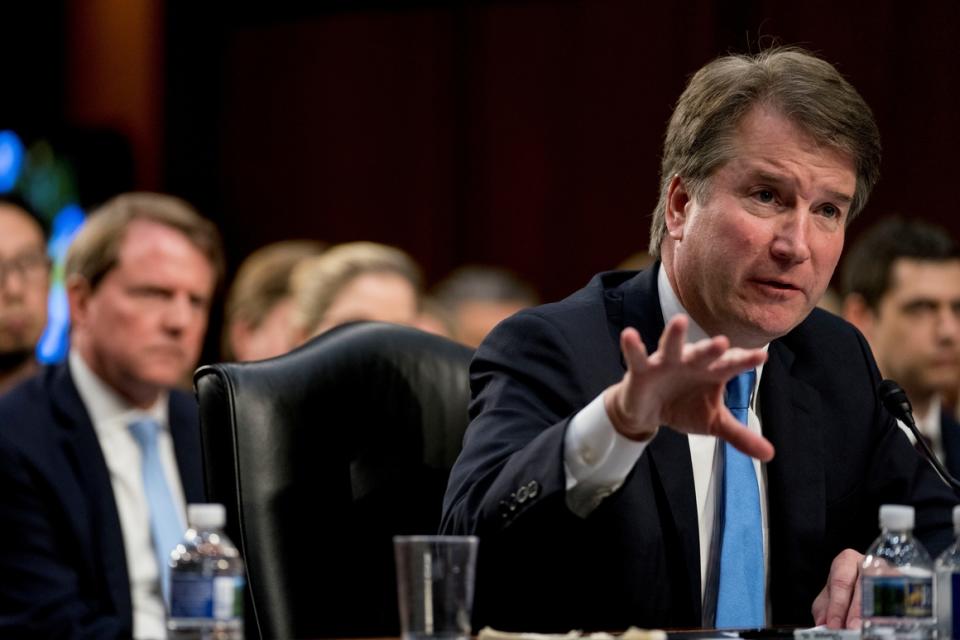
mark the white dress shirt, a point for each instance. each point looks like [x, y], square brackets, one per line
[111, 415]
[597, 458]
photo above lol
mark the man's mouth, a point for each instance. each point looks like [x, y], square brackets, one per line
[778, 284]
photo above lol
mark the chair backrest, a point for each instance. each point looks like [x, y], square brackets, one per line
[321, 456]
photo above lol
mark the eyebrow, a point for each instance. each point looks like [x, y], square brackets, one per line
[778, 180]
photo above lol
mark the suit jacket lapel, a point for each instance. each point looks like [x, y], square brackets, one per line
[90, 469]
[670, 451]
[792, 419]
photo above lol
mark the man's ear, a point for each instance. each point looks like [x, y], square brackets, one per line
[857, 312]
[676, 214]
[78, 297]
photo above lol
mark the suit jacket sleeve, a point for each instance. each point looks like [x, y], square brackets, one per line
[526, 388]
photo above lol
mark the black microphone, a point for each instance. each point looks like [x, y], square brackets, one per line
[896, 402]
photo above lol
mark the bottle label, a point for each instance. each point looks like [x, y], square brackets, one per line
[897, 597]
[196, 596]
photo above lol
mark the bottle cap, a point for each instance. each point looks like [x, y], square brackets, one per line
[956, 519]
[206, 516]
[898, 517]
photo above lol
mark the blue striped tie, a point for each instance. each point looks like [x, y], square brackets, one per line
[740, 594]
[166, 528]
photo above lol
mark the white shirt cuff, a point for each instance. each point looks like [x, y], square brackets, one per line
[596, 458]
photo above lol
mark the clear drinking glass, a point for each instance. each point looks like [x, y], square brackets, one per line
[435, 576]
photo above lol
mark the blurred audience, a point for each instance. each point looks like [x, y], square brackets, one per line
[901, 283]
[478, 297]
[434, 318]
[24, 285]
[259, 309]
[99, 455]
[355, 281]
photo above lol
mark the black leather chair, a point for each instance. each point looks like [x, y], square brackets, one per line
[321, 456]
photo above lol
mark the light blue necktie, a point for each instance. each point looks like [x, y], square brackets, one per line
[740, 593]
[166, 528]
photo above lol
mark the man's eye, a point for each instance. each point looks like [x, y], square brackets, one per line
[830, 211]
[764, 195]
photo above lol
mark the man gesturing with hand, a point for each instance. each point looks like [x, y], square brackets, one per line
[695, 444]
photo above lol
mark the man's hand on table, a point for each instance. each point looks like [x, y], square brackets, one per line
[838, 604]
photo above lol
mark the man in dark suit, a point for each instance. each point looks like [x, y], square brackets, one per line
[598, 469]
[98, 456]
[901, 283]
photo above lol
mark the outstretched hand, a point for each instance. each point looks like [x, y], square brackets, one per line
[681, 386]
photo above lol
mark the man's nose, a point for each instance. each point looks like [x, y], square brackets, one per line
[790, 242]
[177, 314]
[948, 324]
[12, 283]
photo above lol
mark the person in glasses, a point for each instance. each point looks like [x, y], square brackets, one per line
[24, 285]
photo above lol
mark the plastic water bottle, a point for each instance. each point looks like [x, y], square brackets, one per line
[897, 581]
[946, 592]
[206, 580]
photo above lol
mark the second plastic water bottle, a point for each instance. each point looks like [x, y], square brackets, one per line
[947, 588]
[897, 581]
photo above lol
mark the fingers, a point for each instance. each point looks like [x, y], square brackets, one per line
[855, 615]
[843, 607]
[634, 353]
[819, 608]
[751, 443]
[673, 338]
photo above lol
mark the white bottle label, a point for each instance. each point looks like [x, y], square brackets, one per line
[228, 597]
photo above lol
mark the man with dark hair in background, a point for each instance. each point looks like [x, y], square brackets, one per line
[477, 297]
[24, 285]
[901, 283]
[607, 469]
[100, 455]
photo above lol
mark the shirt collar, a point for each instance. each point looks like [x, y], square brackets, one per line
[104, 405]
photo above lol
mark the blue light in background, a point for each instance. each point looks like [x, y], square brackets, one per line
[55, 341]
[11, 160]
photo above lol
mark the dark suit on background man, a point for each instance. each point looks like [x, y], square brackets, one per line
[61, 547]
[950, 433]
[635, 560]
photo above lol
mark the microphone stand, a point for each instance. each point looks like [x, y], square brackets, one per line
[896, 402]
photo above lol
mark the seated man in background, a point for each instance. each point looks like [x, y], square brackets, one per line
[901, 284]
[478, 297]
[260, 302]
[355, 281]
[99, 455]
[24, 285]
[607, 469]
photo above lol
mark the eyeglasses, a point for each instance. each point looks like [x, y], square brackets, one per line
[31, 267]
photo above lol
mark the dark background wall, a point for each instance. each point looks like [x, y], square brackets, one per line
[525, 134]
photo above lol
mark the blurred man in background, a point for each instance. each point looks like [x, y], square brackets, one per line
[99, 455]
[478, 297]
[24, 285]
[901, 283]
